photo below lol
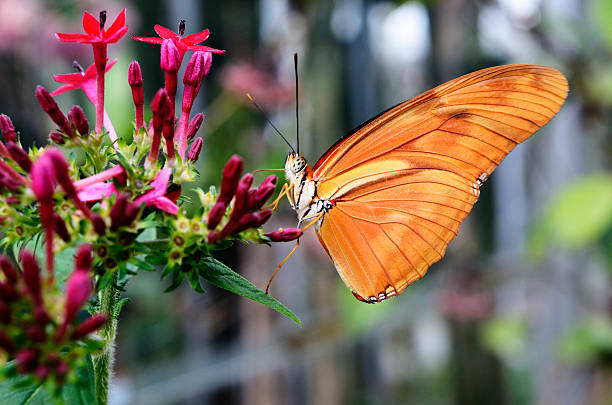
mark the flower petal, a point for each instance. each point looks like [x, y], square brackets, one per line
[91, 24]
[97, 191]
[109, 65]
[71, 37]
[117, 35]
[72, 78]
[195, 39]
[165, 204]
[204, 48]
[65, 88]
[160, 184]
[117, 25]
[165, 32]
[150, 40]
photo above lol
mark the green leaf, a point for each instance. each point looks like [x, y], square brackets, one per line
[588, 341]
[17, 391]
[126, 164]
[579, 216]
[120, 304]
[194, 281]
[601, 13]
[504, 336]
[222, 276]
[177, 279]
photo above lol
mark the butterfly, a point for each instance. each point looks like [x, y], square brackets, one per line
[387, 199]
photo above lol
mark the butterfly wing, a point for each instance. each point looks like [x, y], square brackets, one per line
[402, 183]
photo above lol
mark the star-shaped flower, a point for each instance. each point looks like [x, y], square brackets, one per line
[86, 81]
[183, 44]
[156, 197]
[96, 188]
[95, 32]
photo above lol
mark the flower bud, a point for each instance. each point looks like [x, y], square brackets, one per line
[194, 151]
[159, 107]
[245, 222]
[170, 59]
[6, 343]
[31, 276]
[7, 128]
[194, 125]
[57, 138]
[135, 82]
[60, 227]
[263, 217]
[49, 106]
[197, 68]
[241, 200]
[98, 224]
[117, 211]
[7, 292]
[26, 360]
[76, 115]
[89, 325]
[7, 268]
[83, 258]
[42, 372]
[134, 74]
[216, 214]
[36, 333]
[284, 235]
[43, 179]
[263, 193]
[231, 176]
[213, 237]
[78, 291]
[19, 156]
[5, 312]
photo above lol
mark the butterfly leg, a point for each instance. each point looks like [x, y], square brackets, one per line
[281, 265]
[284, 191]
[316, 218]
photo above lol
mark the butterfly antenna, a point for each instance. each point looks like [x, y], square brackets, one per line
[297, 115]
[252, 100]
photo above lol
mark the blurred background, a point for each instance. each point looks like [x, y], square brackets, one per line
[518, 312]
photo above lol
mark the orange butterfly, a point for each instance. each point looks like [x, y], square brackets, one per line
[388, 198]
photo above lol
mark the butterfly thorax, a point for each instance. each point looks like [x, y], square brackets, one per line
[303, 194]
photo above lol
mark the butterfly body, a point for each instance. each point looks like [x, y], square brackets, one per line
[387, 199]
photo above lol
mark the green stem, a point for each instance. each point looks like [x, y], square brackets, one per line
[103, 363]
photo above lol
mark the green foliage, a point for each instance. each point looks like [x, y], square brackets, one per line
[222, 276]
[22, 390]
[579, 216]
[601, 11]
[504, 336]
[589, 341]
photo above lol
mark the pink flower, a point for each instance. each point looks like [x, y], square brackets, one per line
[86, 81]
[183, 44]
[156, 197]
[95, 32]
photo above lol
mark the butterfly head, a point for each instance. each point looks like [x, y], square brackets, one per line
[295, 164]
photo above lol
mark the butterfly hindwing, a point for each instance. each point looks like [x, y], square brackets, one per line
[404, 181]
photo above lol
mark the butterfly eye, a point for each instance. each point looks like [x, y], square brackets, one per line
[298, 164]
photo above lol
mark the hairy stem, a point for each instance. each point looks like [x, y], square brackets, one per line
[103, 363]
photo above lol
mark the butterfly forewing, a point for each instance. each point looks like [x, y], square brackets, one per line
[403, 182]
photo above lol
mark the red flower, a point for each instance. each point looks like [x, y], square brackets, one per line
[85, 81]
[95, 32]
[183, 44]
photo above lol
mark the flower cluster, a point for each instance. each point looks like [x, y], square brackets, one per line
[46, 340]
[119, 210]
